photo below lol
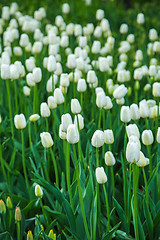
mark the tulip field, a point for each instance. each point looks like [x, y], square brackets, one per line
[79, 121]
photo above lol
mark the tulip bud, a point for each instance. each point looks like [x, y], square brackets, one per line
[80, 123]
[144, 110]
[158, 135]
[2, 206]
[120, 91]
[156, 89]
[75, 106]
[26, 91]
[143, 161]
[66, 121]
[24, 40]
[20, 121]
[38, 191]
[81, 86]
[29, 235]
[34, 117]
[140, 18]
[72, 134]
[52, 235]
[30, 80]
[147, 137]
[44, 109]
[100, 100]
[125, 114]
[71, 61]
[123, 28]
[98, 139]
[108, 103]
[51, 102]
[9, 203]
[37, 74]
[109, 159]
[100, 175]
[17, 214]
[5, 71]
[58, 96]
[132, 152]
[64, 80]
[46, 139]
[108, 136]
[51, 65]
[132, 129]
[135, 113]
[62, 134]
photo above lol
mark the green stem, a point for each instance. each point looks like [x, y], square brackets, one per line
[135, 196]
[99, 120]
[55, 167]
[125, 172]
[18, 230]
[15, 96]
[146, 186]
[97, 187]
[35, 98]
[107, 206]
[81, 100]
[29, 133]
[2, 165]
[10, 108]
[47, 127]
[44, 164]
[150, 159]
[104, 120]
[80, 193]
[68, 173]
[43, 211]
[23, 162]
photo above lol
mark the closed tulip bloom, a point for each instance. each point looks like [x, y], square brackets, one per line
[20, 121]
[143, 161]
[66, 120]
[38, 191]
[5, 71]
[125, 114]
[123, 28]
[44, 109]
[46, 139]
[2, 206]
[134, 138]
[153, 35]
[51, 65]
[96, 47]
[108, 136]
[132, 152]
[103, 65]
[71, 61]
[80, 123]
[108, 103]
[98, 139]
[14, 74]
[152, 70]
[72, 134]
[147, 137]
[62, 134]
[156, 89]
[65, 8]
[153, 112]
[34, 117]
[132, 129]
[101, 177]
[51, 102]
[140, 18]
[91, 76]
[29, 235]
[26, 91]
[109, 159]
[75, 106]
[24, 40]
[64, 80]
[58, 95]
[120, 91]
[138, 74]
[158, 135]
[144, 110]
[135, 113]
[37, 47]
[37, 74]
[81, 86]
[30, 80]
[100, 100]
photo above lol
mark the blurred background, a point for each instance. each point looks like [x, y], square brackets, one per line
[116, 11]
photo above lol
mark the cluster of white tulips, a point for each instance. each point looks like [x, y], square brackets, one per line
[62, 79]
